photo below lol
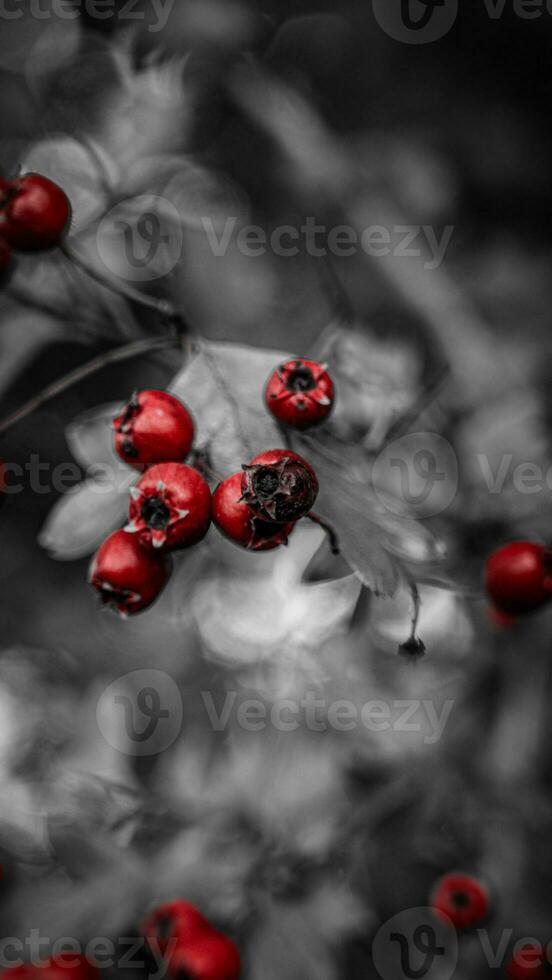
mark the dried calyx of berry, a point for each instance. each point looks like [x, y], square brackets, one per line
[300, 393]
[170, 507]
[412, 648]
[240, 524]
[279, 485]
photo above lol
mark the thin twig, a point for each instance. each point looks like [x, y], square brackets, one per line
[163, 307]
[329, 531]
[114, 356]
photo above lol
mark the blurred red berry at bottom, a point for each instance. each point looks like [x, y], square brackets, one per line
[529, 961]
[461, 898]
[64, 966]
[5, 255]
[208, 956]
[177, 921]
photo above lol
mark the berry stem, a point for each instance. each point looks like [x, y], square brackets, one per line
[417, 603]
[164, 308]
[328, 529]
[117, 354]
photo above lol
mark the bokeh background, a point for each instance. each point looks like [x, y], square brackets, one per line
[301, 843]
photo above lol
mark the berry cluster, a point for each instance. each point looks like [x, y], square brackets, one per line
[171, 507]
[190, 945]
[34, 215]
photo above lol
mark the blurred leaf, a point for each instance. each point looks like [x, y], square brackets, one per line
[90, 437]
[205, 199]
[223, 387]
[79, 522]
[71, 165]
[375, 540]
[22, 336]
[285, 946]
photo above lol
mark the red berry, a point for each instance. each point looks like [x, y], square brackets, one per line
[127, 577]
[5, 256]
[173, 922]
[170, 507]
[63, 966]
[460, 898]
[208, 956]
[34, 213]
[154, 427]
[529, 962]
[519, 577]
[300, 393]
[239, 523]
[279, 485]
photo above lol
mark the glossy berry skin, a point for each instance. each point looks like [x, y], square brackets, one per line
[208, 956]
[240, 524]
[460, 898]
[34, 213]
[518, 577]
[173, 923]
[154, 427]
[127, 577]
[279, 485]
[529, 962]
[170, 507]
[300, 393]
[64, 966]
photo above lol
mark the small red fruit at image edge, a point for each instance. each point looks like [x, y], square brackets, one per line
[279, 485]
[192, 947]
[300, 393]
[5, 256]
[240, 524]
[64, 966]
[460, 898]
[34, 213]
[127, 577]
[529, 961]
[170, 507]
[154, 427]
[519, 577]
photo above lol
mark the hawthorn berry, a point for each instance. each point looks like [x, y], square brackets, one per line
[240, 524]
[34, 213]
[279, 485]
[210, 955]
[170, 507]
[460, 898]
[173, 922]
[529, 962]
[63, 966]
[153, 427]
[519, 577]
[300, 393]
[127, 577]
[5, 256]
